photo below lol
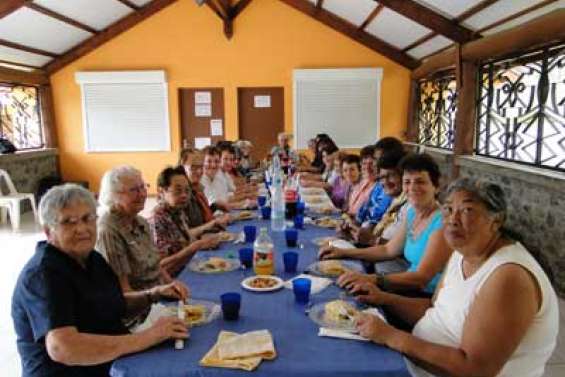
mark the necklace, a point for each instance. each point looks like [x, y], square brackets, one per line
[420, 221]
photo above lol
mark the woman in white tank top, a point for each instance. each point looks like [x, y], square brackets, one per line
[494, 313]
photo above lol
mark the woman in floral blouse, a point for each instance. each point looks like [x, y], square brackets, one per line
[170, 224]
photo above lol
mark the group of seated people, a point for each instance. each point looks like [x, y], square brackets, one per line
[461, 296]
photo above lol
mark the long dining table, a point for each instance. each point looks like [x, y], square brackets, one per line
[300, 351]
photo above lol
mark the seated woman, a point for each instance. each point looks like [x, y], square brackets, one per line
[495, 312]
[328, 176]
[339, 187]
[420, 237]
[124, 237]
[390, 181]
[351, 171]
[68, 304]
[359, 194]
[175, 240]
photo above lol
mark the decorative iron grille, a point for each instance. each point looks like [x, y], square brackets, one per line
[437, 106]
[20, 120]
[521, 109]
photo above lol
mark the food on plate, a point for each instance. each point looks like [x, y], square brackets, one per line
[214, 264]
[339, 312]
[245, 215]
[312, 191]
[226, 236]
[314, 199]
[263, 282]
[323, 210]
[331, 268]
[194, 314]
[320, 241]
[326, 222]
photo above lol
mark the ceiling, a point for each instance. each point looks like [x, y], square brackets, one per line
[406, 31]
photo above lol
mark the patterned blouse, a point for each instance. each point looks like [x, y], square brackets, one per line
[129, 249]
[170, 228]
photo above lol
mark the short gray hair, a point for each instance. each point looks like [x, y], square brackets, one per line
[489, 194]
[111, 183]
[63, 196]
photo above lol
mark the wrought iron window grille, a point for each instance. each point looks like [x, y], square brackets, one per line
[436, 109]
[521, 109]
[20, 117]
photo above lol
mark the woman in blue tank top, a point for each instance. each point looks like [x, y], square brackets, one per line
[420, 238]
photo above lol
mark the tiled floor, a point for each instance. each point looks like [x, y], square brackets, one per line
[18, 247]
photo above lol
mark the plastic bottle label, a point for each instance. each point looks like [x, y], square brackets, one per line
[263, 263]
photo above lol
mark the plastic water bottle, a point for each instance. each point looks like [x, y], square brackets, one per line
[277, 197]
[263, 254]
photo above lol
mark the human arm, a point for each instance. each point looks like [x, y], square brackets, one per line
[139, 300]
[497, 321]
[174, 263]
[68, 346]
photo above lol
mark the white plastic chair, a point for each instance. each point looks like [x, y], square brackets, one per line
[11, 201]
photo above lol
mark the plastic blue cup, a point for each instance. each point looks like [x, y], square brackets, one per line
[291, 237]
[290, 259]
[301, 288]
[231, 302]
[266, 212]
[299, 221]
[300, 208]
[250, 232]
[261, 200]
[246, 257]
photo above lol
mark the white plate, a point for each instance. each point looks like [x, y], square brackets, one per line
[314, 268]
[318, 314]
[211, 311]
[245, 283]
[321, 241]
[197, 265]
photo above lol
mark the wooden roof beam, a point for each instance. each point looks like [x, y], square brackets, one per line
[371, 16]
[29, 49]
[130, 5]
[60, 17]
[430, 19]
[9, 6]
[351, 31]
[227, 12]
[107, 34]
[13, 76]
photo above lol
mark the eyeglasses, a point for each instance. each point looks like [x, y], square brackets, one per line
[137, 189]
[71, 222]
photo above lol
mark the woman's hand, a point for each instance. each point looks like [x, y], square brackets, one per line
[209, 242]
[363, 236]
[167, 328]
[373, 328]
[368, 293]
[175, 290]
[347, 279]
[331, 252]
[223, 220]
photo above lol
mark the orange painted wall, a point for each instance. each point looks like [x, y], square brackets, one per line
[270, 40]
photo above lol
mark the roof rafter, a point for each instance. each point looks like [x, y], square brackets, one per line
[371, 16]
[20, 64]
[29, 49]
[60, 17]
[107, 34]
[430, 19]
[129, 4]
[517, 14]
[9, 6]
[227, 12]
[350, 30]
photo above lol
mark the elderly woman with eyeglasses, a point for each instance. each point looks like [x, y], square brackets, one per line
[494, 313]
[124, 237]
[170, 224]
[67, 305]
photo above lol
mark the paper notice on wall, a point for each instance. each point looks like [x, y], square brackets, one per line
[203, 110]
[262, 101]
[202, 97]
[216, 128]
[201, 142]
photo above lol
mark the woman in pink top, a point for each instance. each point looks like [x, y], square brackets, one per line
[360, 193]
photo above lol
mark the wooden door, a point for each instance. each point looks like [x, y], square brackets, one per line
[196, 100]
[261, 117]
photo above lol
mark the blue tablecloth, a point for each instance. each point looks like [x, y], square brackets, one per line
[300, 351]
